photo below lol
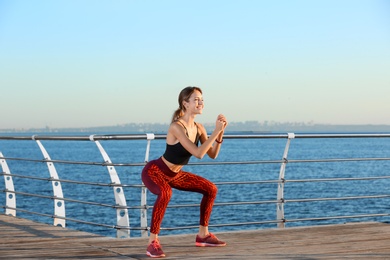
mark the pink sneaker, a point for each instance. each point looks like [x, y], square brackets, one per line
[154, 249]
[210, 240]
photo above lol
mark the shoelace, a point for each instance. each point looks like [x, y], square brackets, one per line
[210, 236]
[156, 244]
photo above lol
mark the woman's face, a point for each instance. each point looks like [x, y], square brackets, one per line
[195, 103]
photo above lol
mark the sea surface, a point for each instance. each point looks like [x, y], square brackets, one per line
[268, 151]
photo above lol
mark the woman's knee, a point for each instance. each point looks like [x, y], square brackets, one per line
[164, 196]
[166, 193]
[212, 190]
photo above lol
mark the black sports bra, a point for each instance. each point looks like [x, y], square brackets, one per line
[176, 153]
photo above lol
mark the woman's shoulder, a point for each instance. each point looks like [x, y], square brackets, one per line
[176, 126]
[199, 125]
[174, 132]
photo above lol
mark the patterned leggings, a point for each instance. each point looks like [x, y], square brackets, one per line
[160, 180]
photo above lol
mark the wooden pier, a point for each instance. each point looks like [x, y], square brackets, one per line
[25, 239]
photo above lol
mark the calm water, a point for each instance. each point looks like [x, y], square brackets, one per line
[232, 150]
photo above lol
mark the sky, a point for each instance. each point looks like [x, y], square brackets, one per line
[72, 63]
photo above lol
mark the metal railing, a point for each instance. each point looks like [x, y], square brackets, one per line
[123, 191]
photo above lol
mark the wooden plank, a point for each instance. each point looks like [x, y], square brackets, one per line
[21, 238]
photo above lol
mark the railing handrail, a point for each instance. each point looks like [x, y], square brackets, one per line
[163, 136]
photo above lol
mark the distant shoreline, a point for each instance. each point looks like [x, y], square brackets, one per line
[234, 127]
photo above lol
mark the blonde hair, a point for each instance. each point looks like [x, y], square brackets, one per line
[184, 95]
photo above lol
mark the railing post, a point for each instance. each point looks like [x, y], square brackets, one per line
[59, 203]
[280, 196]
[122, 215]
[144, 206]
[10, 201]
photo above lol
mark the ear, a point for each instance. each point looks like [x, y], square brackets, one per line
[184, 105]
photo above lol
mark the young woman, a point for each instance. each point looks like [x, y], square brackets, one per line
[165, 173]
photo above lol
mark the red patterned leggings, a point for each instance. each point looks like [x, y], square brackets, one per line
[160, 180]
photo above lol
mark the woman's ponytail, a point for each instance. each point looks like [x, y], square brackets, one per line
[177, 114]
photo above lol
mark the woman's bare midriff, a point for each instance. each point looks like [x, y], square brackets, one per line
[171, 166]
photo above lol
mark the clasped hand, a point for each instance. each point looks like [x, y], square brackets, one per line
[221, 122]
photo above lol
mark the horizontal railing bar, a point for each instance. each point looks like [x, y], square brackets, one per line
[30, 212]
[72, 162]
[224, 225]
[223, 203]
[340, 179]
[59, 217]
[163, 136]
[132, 164]
[338, 160]
[338, 217]
[235, 162]
[305, 180]
[217, 183]
[72, 181]
[64, 199]
[78, 138]
[247, 202]
[293, 161]
[87, 222]
[76, 201]
[297, 135]
[30, 194]
[247, 182]
[338, 198]
[27, 177]
[204, 163]
[302, 135]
